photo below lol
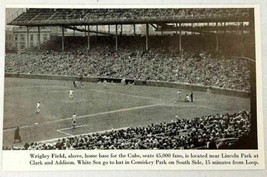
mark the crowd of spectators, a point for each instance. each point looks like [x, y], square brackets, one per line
[155, 64]
[220, 131]
[132, 14]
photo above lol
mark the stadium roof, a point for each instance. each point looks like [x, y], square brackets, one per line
[65, 17]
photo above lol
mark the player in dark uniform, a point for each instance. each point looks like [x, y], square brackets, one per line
[17, 135]
[74, 84]
[81, 79]
[191, 97]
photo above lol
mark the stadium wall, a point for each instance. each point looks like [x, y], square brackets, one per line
[185, 86]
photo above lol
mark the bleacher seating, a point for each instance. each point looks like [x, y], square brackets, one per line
[133, 62]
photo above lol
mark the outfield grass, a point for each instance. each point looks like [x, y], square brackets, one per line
[99, 107]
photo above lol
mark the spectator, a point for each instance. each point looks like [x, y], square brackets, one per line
[17, 136]
[211, 132]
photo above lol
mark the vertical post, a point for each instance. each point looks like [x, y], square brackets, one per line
[88, 38]
[121, 29]
[109, 29]
[62, 40]
[217, 38]
[18, 41]
[161, 40]
[180, 37]
[176, 28]
[116, 37]
[27, 40]
[73, 32]
[96, 30]
[38, 38]
[242, 39]
[134, 29]
[176, 32]
[85, 30]
[192, 24]
[253, 89]
[147, 33]
[224, 29]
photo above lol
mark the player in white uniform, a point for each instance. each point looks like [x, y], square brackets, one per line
[71, 94]
[38, 108]
[74, 119]
[123, 81]
[187, 98]
[178, 95]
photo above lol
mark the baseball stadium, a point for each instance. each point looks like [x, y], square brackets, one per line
[130, 78]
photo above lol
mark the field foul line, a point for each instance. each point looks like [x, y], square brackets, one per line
[180, 106]
[44, 86]
[90, 115]
[208, 107]
[47, 92]
[68, 134]
[68, 128]
[54, 91]
[195, 106]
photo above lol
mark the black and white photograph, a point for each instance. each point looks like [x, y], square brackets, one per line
[130, 78]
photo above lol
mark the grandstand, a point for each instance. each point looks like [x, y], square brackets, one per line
[204, 50]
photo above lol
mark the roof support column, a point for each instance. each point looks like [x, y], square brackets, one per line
[176, 32]
[96, 28]
[147, 34]
[109, 29]
[180, 38]
[38, 38]
[176, 27]
[217, 38]
[224, 29]
[134, 29]
[242, 39]
[121, 29]
[18, 42]
[62, 39]
[193, 33]
[88, 37]
[27, 40]
[116, 37]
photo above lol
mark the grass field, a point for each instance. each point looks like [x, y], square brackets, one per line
[99, 107]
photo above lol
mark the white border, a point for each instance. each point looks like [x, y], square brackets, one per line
[259, 62]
